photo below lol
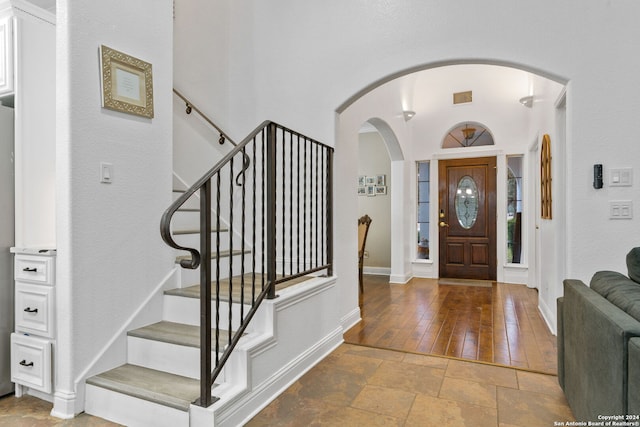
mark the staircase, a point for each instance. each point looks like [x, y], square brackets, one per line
[225, 345]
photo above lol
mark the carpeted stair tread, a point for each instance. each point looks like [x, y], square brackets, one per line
[159, 387]
[177, 333]
[223, 254]
[194, 291]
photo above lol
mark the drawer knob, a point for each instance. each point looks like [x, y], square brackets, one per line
[30, 270]
[31, 310]
[23, 362]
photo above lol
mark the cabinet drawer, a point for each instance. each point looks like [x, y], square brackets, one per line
[31, 362]
[34, 269]
[34, 309]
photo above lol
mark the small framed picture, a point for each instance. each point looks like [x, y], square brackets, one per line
[381, 189]
[361, 181]
[370, 180]
[127, 83]
[371, 190]
[362, 190]
[381, 180]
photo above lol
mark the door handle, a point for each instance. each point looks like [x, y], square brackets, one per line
[443, 224]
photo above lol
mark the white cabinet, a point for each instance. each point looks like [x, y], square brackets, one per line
[31, 362]
[28, 46]
[32, 342]
[34, 309]
[6, 56]
[34, 269]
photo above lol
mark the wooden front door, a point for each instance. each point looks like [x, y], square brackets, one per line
[467, 218]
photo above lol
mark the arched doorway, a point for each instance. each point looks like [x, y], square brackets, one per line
[388, 188]
[497, 103]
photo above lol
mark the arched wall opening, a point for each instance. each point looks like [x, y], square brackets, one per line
[497, 89]
[380, 168]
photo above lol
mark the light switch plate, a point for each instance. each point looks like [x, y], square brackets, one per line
[621, 177]
[106, 173]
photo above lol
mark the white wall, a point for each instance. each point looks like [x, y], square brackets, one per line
[110, 254]
[300, 74]
[374, 160]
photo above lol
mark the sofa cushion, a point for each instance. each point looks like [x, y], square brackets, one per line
[603, 282]
[633, 264]
[627, 298]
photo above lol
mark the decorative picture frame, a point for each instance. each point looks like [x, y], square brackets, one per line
[126, 83]
[362, 190]
[381, 180]
[370, 180]
[371, 190]
[381, 190]
[362, 180]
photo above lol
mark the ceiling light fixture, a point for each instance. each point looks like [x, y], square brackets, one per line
[468, 132]
[408, 115]
[527, 101]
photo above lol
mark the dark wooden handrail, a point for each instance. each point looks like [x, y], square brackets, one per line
[190, 107]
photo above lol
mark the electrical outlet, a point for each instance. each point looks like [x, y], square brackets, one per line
[366, 254]
[620, 209]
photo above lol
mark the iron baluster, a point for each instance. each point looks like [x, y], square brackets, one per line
[205, 292]
[271, 211]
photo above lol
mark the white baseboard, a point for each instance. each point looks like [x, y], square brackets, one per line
[400, 278]
[350, 319]
[547, 315]
[64, 404]
[377, 271]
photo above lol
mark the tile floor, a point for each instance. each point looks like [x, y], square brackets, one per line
[362, 386]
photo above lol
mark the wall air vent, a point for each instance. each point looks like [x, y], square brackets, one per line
[462, 97]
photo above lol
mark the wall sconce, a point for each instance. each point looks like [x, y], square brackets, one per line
[408, 115]
[527, 101]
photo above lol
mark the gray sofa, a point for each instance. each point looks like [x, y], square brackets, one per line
[599, 343]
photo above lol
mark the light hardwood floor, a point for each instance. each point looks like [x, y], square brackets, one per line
[498, 324]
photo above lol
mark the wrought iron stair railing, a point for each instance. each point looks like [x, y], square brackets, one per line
[273, 191]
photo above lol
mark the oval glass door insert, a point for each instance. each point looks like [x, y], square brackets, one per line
[466, 202]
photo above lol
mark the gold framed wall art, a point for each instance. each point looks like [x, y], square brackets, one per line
[127, 83]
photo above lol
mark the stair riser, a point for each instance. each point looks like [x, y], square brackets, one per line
[183, 219]
[191, 277]
[187, 310]
[175, 359]
[131, 411]
[193, 241]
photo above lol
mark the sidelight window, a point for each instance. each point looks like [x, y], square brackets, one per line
[423, 209]
[514, 209]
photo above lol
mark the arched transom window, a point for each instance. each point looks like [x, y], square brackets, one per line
[467, 134]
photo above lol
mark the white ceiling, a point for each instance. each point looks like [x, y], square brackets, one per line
[429, 92]
[49, 5]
